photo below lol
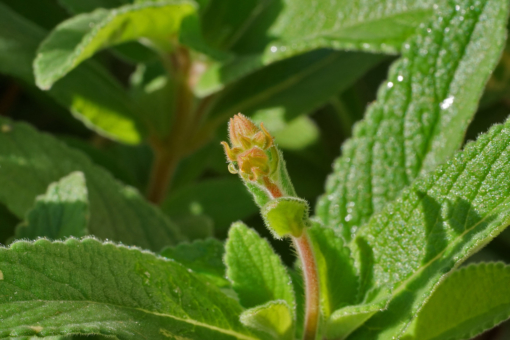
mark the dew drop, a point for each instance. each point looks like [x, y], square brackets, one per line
[457, 7]
[390, 84]
[400, 78]
[274, 49]
[447, 102]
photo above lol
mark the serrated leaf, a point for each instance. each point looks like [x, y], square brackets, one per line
[339, 281]
[292, 87]
[89, 92]
[256, 272]
[274, 318]
[109, 290]
[435, 225]
[80, 37]
[225, 200]
[204, 257]
[470, 301]
[117, 212]
[421, 113]
[61, 212]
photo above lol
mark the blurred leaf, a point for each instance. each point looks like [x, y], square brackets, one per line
[292, 87]
[89, 92]
[470, 301]
[225, 200]
[32, 9]
[191, 167]
[8, 223]
[113, 290]
[298, 134]
[80, 37]
[204, 257]
[80, 6]
[262, 32]
[195, 226]
[421, 113]
[61, 212]
[30, 161]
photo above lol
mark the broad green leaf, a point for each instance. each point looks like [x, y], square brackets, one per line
[195, 226]
[262, 32]
[468, 302]
[79, 6]
[421, 113]
[117, 212]
[89, 92]
[292, 87]
[256, 272]
[109, 290]
[274, 318]
[286, 216]
[61, 212]
[225, 200]
[283, 28]
[436, 224]
[80, 37]
[204, 257]
[339, 280]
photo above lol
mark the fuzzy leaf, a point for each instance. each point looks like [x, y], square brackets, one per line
[421, 113]
[80, 37]
[117, 212]
[256, 272]
[436, 224]
[468, 302]
[202, 256]
[61, 212]
[89, 92]
[274, 318]
[286, 216]
[109, 290]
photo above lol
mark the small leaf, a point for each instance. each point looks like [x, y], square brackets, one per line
[470, 301]
[204, 257]
[421, 114]
[286, 216]
[61, 212]
[78, 38]
[274, 318]
[117, 212]
[338, 277]
[256, 272]
[89, 92]
[109, 290]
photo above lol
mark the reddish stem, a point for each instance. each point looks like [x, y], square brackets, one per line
[312, 312]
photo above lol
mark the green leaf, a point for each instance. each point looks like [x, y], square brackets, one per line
[435, 225]
[225, 200]
[78, 6]
[468, 302]
[286, 216]
[89, 92]
[8, 223]
[195, 226]
[204, 257]
[275, 318]
[297, 135]
[346, 320]
[339, 281]
[421, 113]
[86, 287]
[80, 37]
[117, 212]
[256, 272]
[283, 28]
[61, 212]
[292, 87]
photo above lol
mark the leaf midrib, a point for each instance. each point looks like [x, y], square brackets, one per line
[190, 321]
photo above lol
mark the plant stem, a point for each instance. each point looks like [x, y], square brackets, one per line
[163, 169]
[311, 276]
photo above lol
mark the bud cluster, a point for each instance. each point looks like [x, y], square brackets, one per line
[249, 145]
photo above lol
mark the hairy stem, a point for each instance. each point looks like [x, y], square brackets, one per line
[162, 172]
[311, 276]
